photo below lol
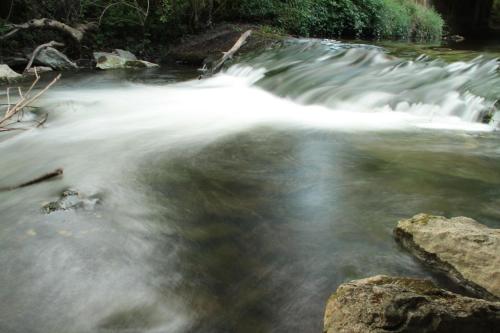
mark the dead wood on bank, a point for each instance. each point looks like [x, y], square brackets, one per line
[76, 32]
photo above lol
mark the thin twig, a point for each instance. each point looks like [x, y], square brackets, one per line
[8, 100]
[47, 176]
[41, 122]
[24, 101]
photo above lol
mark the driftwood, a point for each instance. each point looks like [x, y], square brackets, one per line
[38, 49]
[43, 178]
[76, 33]
[229, 54]
[25, 99]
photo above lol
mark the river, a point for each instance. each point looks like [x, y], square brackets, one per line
[240, 202]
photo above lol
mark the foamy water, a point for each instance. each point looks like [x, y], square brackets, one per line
[239, 202]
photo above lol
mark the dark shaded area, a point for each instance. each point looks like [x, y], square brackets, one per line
[468, 17]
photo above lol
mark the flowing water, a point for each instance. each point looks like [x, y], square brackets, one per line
[239, 203]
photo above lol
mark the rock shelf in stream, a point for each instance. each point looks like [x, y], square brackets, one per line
[395, 304]
[463, 249]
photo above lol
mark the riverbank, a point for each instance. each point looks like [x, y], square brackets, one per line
[156, 31]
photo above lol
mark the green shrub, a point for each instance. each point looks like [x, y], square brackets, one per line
[168, 19]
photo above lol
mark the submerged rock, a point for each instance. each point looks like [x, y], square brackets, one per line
[393, 304]
[7, 74]
[119, 60]
[71, 200]
[465, 250]
[55, 59]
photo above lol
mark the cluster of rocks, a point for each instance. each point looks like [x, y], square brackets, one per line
[467, 252]
[49, 59]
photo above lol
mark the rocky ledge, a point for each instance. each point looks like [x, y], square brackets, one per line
[393, 304]
[465, 250]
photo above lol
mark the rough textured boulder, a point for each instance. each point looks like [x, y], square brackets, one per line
[465, 250]
[7, 74]
[72, 200]
[391, 304]
[106, 60]
[55, 59]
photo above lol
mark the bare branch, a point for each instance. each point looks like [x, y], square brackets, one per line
[229, 54]
[24, 101]
[76, 32]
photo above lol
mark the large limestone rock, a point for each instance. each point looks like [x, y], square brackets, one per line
[55, 59]
[391, 304]
[120, 59]
[467, 251]
[7, 74]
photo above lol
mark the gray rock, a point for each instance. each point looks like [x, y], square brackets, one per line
[392, 304]
[465, 250]
[140, 64]
[7, 74]
[55, 59]
[125, 54]
[109, 61]
[106, 60]
[71, 200]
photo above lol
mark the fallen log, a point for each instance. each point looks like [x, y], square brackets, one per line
[76, 33]
[229, 54]
[48, 176]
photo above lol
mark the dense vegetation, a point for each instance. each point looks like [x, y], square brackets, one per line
[147, 21]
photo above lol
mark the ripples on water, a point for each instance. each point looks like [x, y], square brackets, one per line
[240, 202]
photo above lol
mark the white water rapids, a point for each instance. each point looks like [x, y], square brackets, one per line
[238, 202]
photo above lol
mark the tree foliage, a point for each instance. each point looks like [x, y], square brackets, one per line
[163, 20]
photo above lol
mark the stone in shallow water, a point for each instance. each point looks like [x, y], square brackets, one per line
[71, 200]
[6, 73]
[465, 250]
[394, 304]
[106, 60]
[55, 59]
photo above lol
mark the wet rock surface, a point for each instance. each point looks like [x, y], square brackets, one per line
[55, 59]
[394, 304]
[463, 249]
[7, 74]
[120, 59]
[72, 200]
